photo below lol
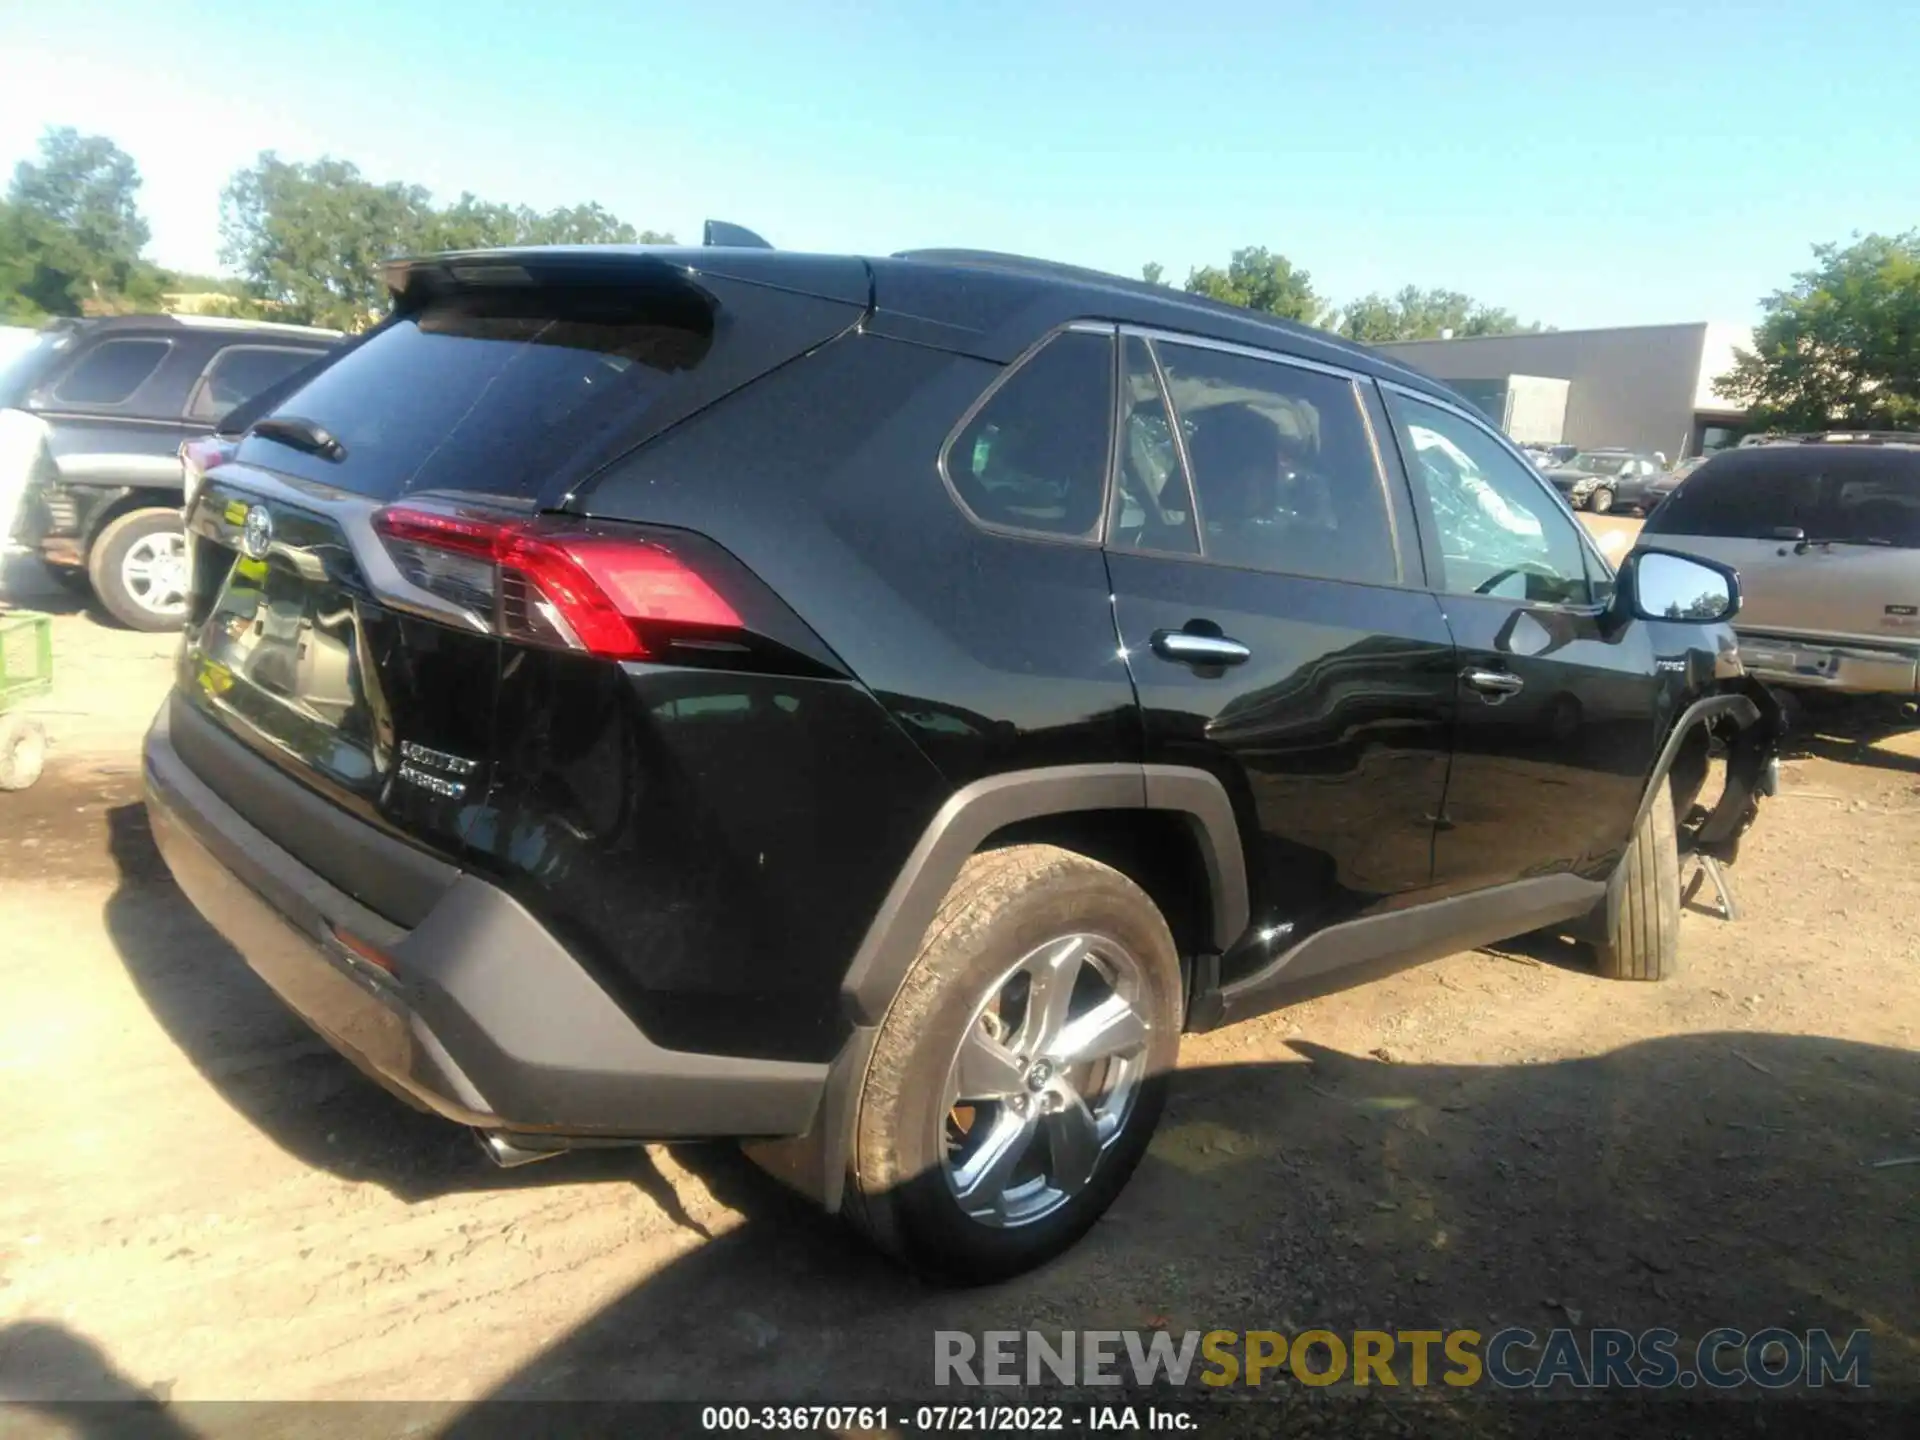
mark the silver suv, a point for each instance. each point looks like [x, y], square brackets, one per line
[1825, 533]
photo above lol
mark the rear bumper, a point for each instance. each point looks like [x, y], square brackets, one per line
[487, 1020]
[1820, 665]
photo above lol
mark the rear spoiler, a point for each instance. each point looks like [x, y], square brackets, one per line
[720, 232]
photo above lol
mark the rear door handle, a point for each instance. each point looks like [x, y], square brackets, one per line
[1494, 684]
[1187, 648]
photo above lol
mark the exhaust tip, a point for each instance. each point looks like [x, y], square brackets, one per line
[507, 1154]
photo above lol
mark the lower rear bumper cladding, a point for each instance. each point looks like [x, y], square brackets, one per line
[490, 1023]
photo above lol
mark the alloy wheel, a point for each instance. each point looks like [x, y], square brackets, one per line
[154, 573]
[1044, 1079]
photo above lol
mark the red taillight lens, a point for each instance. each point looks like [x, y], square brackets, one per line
[198, 457]
[553, 582]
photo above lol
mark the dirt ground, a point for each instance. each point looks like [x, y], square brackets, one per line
[199, 1201]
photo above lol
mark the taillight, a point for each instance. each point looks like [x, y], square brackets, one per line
[559, 582]
[197, 457]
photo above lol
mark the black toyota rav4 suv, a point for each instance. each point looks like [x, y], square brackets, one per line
[871, 708]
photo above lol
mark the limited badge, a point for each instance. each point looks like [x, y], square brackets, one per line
[256, 535]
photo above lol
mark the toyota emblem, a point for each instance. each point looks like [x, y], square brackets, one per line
[256, 536]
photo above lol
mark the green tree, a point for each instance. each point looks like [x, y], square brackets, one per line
[1152, 271]
[1260, 280]
[1415, 314]
[1841, 345]
[71, 231]
[309, 238]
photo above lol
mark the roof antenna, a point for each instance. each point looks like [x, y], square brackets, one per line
[719, 232]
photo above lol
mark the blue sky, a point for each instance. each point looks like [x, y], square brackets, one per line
[1615, 164]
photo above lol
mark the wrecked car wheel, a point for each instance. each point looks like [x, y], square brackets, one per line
[1020, 1071]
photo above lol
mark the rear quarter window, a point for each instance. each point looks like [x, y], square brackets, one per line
[1033, 457]
[110, 372]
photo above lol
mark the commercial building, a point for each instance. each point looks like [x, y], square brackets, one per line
[1643, 387]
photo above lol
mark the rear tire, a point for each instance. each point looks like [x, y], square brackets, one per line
[1639, 934]
[972, 1019]
[138, 567]
[1600, 501]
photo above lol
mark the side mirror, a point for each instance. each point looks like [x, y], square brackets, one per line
[1661, 585]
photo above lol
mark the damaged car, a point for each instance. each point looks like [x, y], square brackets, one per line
[872, 708]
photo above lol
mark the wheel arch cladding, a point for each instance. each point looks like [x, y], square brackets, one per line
[980, 810]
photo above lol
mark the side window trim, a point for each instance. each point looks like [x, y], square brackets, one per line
[1117, 447]
[1154, 337]
[1098, 536]
[250, 346]
[1422, 507]
[1177, 432]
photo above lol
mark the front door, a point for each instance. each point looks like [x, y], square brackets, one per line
[1262, 603]
[1555, 732]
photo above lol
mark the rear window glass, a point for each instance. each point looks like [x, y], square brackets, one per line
[489, 391]
[110, 372]
[1863, 496]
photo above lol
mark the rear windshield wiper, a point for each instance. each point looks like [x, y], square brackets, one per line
[307, 435]
[1807, 543]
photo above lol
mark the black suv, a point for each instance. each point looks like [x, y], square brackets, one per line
[871, 708]
[92, 417]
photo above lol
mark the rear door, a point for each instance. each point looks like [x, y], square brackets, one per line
[1276, 630]
[369, 670]
[1557, 712]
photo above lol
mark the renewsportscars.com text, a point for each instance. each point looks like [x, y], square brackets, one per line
[1514, 1358]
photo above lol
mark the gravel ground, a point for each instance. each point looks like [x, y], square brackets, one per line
[199, 1201]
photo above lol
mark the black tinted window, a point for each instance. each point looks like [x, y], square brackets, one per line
[1153, 505]
[489, 391]
[1868, 495]
[1284, 476]
[240, 372]
[111, 372]
[1035, 455]
[1870, 509]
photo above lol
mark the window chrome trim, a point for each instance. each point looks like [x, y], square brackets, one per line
[1177, 432]
[1155, 336]
[1586, 541]
[1386, 491]
[1096, 536]
[1251, 352]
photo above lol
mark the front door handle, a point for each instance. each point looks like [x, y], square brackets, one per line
[1496, 685]
[1188, 648]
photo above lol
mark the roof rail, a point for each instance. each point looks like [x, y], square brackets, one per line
[1023, 265]
[1844, 437]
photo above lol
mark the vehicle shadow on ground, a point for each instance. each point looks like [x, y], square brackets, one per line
[1692, 1182]
[283, 1078]
[1850, 730]
[26, 584]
